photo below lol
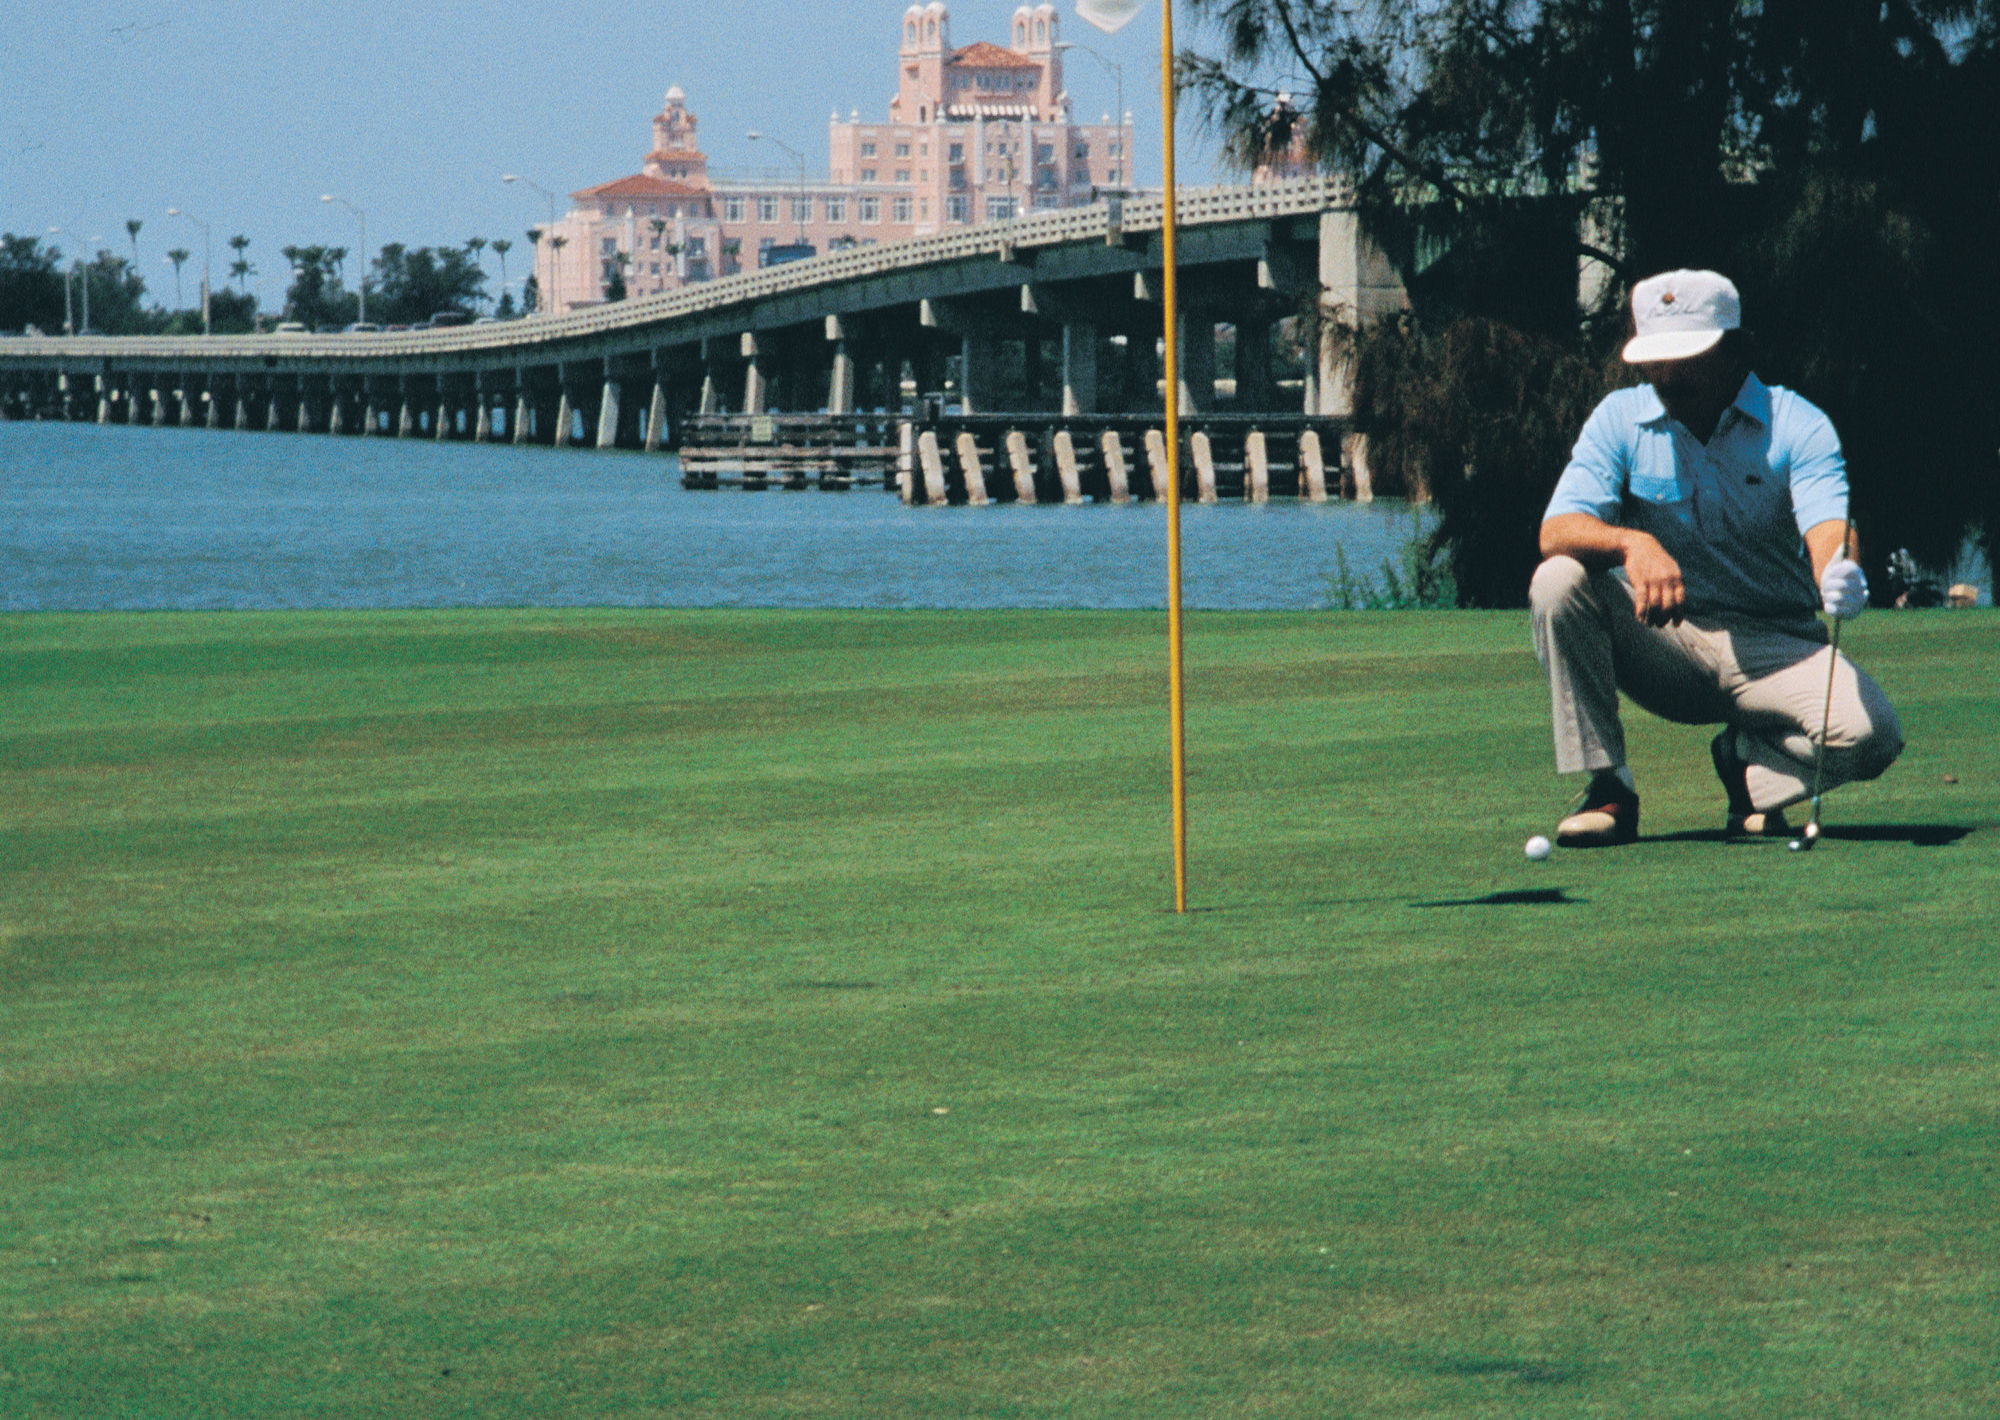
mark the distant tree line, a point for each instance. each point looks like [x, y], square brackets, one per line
[404, 286]
[1840, 159]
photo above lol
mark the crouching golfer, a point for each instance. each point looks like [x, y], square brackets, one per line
[1698, 527]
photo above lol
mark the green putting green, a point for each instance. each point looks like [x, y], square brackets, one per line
[747, 1014]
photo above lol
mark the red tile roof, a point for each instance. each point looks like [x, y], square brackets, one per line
[640, 185]
[986, 55]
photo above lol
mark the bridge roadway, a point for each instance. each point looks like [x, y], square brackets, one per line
[821, 334]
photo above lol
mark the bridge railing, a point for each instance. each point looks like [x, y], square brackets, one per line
[1195, 207]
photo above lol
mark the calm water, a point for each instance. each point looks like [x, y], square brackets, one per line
[137, 518]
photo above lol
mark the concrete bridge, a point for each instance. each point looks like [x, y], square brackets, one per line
[1040, 303]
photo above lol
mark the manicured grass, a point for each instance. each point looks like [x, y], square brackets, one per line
[769, 1014]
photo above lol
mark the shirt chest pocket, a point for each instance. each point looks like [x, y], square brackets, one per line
[1659, 505]
[1654, 489]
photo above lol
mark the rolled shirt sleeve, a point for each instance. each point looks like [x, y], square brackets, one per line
[1732, 511]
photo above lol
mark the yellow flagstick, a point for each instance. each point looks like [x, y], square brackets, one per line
[1176, 699]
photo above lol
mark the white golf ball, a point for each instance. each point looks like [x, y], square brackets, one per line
[1537, 848]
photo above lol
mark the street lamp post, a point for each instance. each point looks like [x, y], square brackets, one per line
[207, 260]
[362, 284]
[799, 207]
[83, 281]
[69, 319]
[555, 252]
[1118, 77]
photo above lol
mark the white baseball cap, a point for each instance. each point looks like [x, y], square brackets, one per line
[1680, 314]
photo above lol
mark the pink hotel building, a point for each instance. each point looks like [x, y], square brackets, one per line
[979, 134]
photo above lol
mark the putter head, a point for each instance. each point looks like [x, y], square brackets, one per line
[1806, 839]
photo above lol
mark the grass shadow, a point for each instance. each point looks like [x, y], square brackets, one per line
[1518, 897]
[1917, 835]
[1500, 1368]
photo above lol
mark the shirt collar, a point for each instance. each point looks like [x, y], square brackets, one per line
[1752, 402]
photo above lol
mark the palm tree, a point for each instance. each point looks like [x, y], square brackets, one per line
[556, 244]
[242, 271]
[476, 245]
[501, 246]
[178, 256]
[132, 230]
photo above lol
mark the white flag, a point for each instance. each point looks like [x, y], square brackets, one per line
[1110, 16]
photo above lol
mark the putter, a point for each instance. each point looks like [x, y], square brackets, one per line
[1809, 835]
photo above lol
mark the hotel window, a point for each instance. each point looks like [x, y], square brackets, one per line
[899, 210]
[767, 209]
[867, 150]
[697, 246]
[1111, 176]
[957, 209]
[902, 175]
[999, 209]
[871, 209]
[1115, 149]
[802, 209]
[732, 209]
[1045, 152]
[868, 174]
[902, 150]
[609, 245]
[836, 209]
[958, 152]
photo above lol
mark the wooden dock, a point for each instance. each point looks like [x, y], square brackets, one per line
[825, 451]
[942, 458]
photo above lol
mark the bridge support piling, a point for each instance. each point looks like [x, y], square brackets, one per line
[1156, 462]
[1253, 365]
[1068, 470]
[977, 357]
[840, 379]
[973, 468]
[933, 467]
[1256, 467]
[1197, 363]
[1079, 368]
[756, 392]
[1204, 465]
[656, 418]
[607, 413]
[1312, 467]
[1117, 472]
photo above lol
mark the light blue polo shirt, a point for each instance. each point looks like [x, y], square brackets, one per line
[1732, 511]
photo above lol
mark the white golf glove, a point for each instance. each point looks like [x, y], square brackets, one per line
[1843, 590]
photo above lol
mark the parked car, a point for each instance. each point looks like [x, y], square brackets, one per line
[446, 318]
[292, 327]
[363, 327]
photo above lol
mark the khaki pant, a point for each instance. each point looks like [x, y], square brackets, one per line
[1765, 679]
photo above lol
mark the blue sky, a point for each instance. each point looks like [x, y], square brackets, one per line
[243, 113]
